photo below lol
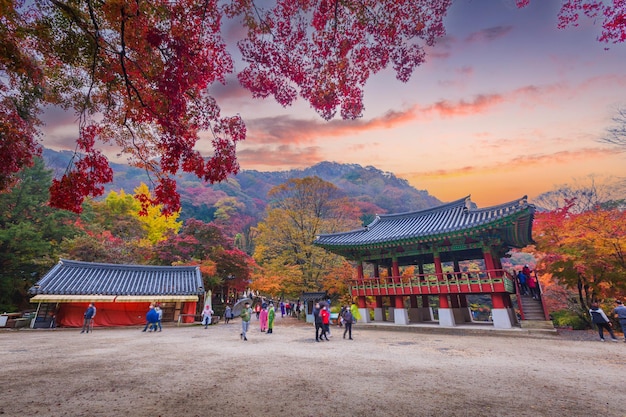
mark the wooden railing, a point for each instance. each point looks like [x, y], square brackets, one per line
[475, 282]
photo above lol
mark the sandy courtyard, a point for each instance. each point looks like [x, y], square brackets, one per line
[190, 371]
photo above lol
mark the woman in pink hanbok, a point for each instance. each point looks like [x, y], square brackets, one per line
[263, 318]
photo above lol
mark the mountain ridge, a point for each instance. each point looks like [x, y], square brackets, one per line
[378, 190]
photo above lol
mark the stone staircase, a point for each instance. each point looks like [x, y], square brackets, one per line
[534, 317]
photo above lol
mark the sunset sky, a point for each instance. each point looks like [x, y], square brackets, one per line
[506, 105]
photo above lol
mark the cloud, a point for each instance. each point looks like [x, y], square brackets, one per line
[525, 161]
[489, 34]
[288, 130]
[283, 157]
[55, 117]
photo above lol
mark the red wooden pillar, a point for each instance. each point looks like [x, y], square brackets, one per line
[395, 269]
[438, 268]
[399, 303]
[425, 301]
[413, 301]
[497, 300]
[361, 302]
[489, 265]
[359, 270]
[443, 301]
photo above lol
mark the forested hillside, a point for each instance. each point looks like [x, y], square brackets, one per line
[375, 191]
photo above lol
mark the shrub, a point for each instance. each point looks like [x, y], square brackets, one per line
[567, 318]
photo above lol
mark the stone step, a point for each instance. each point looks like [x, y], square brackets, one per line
[537, 324]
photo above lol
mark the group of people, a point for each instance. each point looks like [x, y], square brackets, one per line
[528, 282]
[600, 319]
[266, 317]
[153, 319]
[321, 317]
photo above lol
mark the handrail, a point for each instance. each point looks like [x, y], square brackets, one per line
[543, 303]
[390, 285]
[518, 294]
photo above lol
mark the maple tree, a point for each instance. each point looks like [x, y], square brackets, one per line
[137, 74]
[583, 251]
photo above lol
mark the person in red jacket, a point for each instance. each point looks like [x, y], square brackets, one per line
[325, 315]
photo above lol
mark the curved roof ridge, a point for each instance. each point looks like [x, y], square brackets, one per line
[85, 264]
[517, 202]
[460, 202]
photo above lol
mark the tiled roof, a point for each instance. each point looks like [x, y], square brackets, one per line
[85, 278]
[514, 219]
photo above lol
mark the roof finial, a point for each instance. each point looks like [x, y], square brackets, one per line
[468, 204]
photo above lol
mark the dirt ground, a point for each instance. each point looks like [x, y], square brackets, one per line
[189, 371]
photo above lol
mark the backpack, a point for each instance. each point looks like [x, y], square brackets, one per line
[347, 317]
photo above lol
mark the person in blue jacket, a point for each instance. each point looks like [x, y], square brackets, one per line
[90, 313]
[152, 317]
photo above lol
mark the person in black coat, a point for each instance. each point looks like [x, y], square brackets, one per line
[318, 321]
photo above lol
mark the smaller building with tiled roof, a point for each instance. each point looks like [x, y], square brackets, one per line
[124, 292]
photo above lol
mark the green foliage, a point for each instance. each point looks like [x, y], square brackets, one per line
[568, 318]
[30, 235]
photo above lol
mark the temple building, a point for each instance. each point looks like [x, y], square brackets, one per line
[456, 251]
[121, 293]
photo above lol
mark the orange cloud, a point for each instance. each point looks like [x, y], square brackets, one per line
[283, 157]
[287, 130]
[525, 161]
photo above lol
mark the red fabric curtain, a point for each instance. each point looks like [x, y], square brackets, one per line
[189, 308]
[107, 314]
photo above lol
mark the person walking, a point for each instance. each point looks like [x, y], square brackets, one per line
[90, 313]
[263, 317]
[325, 315]
[271, 315]
[347, 321]
[619, 313]
[599, 318]
[317, 319]
[534, 288]
[246, 313]
[159, 318]
[207, 315]
[151, 319]
[356, 314]
[228, 312]
[522, 279]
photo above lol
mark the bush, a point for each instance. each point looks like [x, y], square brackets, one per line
[567, 318]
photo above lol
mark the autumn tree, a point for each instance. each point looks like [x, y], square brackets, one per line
[584, 251]
[138, 74]
[152, 217]
[301, 209]
[200, 243]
